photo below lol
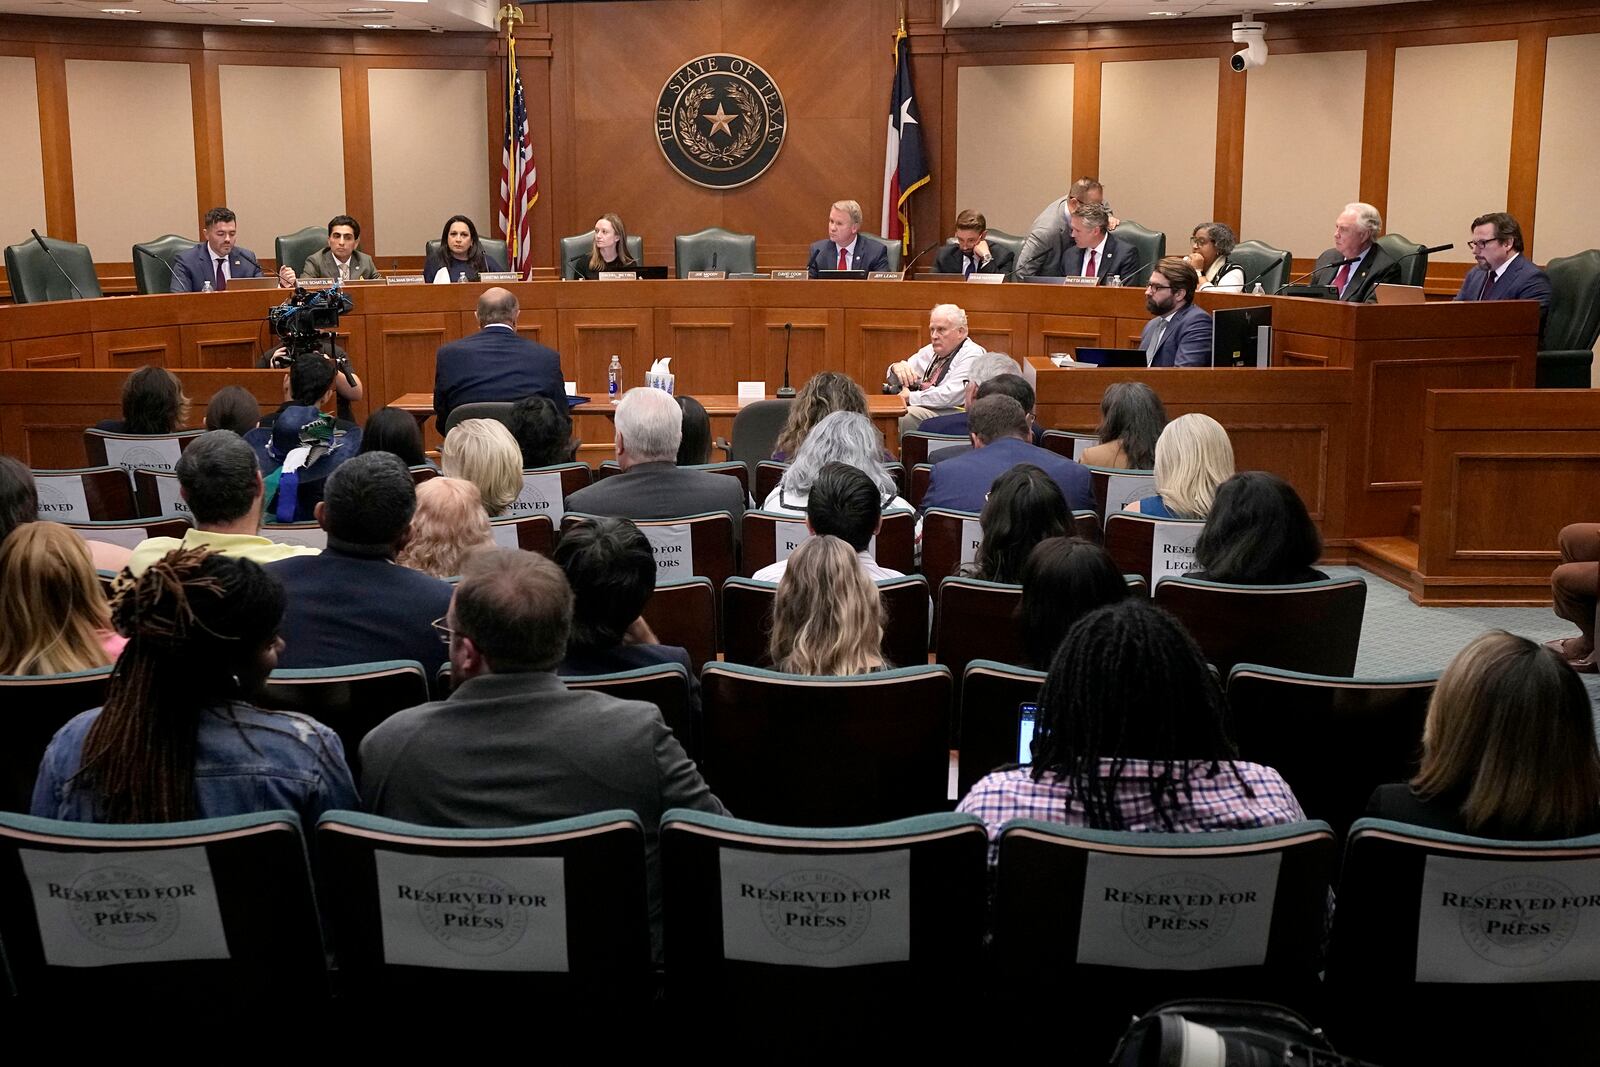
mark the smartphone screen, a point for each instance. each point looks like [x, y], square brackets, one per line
[1026, 714]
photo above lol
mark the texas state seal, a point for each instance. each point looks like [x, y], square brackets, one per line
[720, 121]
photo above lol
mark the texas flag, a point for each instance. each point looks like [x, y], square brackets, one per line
[905, 168]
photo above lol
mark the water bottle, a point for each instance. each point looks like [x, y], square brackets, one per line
[614, 377]
[1114, 281]
[1258, 290]
[206, 288]
[462, 277]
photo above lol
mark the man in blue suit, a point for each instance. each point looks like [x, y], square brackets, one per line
[1180, 333]
[1503, 273]
[495, 363]
[1096, 251]
[999, 431]
[845, 249]
[219, 259]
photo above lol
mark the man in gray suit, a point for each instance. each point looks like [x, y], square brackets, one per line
[649, 428]
[342, 258]
[513, 745]
[1044, 252]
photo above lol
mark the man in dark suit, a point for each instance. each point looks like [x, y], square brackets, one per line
[495, 363]
[972, 253]
[513, 745]
[845, 248]
[342, 258]
[1013, 385]
[355, 604]
[1096, 251]
[1000, 441]
[1503, 273]
[649, 428]
[218, 258]
[1354, 236]
[1180, 333]
[1049, 238]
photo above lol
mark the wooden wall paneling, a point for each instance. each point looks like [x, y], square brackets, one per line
[875, 338]
[161, 346]
[404, 346]
[1048, 334]
[55, 143]
[591, 336]
[540, 325]
[53, 353]
[1378, 112]
[215, 345]
[816, 343]
[1085, 116]
[205, 92]
[1228, 194]
[708, 346]
[938, 122]
[352, 337]
[1522, 183]
[1396, 391]
[1295, 452]
[356, 120]
[999, 332]
[1307, 350]
[5, 355]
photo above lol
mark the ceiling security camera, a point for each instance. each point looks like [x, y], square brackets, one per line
[1253, 35]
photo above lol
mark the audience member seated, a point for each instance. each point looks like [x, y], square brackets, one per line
[1258, 533]
[844, 502]
[543, 431]
[513, 745]
[934, 378]
[1212, 242]
[824, 393]
[827, 617]
[999, 433]
[396, 431]
[347, 386]
[1575, 589]
[1131, 420]
[842, 437]
[1130, 736]
[1193, 457]
[612, 571]
[176, 739]
[1013, 385]
[1063, 580]
[353, 604]
[313, 379]
[986, 367]
[53, 615]
[19, 505]
[609, 252]
[153, 402]
[461, 257]
[496, 364]
[483, 452]
[1508, 749]
[299, 446]
[233, 408]
[649, 429]
[449, 523]
[1024, 508]
[695, 448]
[220, 482]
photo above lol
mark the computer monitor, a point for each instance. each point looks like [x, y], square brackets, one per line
[1241, 337]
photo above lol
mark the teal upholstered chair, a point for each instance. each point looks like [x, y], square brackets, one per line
[152, 262]
[1567, 351]
[35, 279]
[1413, 257]
[895, 251]
[714, 248]
[1263, 265]
[1149, 246]
[582, 244]
[293, 249]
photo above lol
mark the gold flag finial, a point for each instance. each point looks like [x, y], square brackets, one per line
[510, 14]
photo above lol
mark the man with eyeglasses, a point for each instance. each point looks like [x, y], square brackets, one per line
[1355, 265]
[1503, 272]
[1180, 333]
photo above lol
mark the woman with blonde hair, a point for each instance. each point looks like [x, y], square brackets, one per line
[483, 452]
[1193, 458]
[1508, 748]
[609, 252]
[827, 618]
[822, 395]
[449, 522]
[53, 616]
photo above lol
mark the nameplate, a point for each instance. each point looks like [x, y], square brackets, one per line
[971, 538]
[673, 545]
[499, 276]
[751, 391]
[807, 910]
[791, 275]
[708, 275]
[478, 913]
[404, 279]
[788, 536]
[1080, 281]
[1172, 550]
[986, 279]
[100, 909]
[618, 276]
[315, 283]
[504, 533]
[1172, 914]
[1494, 921]
[1124, 489]
[885, 276]
[61, 499]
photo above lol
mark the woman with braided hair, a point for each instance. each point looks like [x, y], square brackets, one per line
[1130, 737]
[176, 739]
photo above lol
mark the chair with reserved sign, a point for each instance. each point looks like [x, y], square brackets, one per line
[1130, 540]
[37, 705]
[553, 913]
[766, 924]
[105, 491]
[159, 495]
[1115, 489]
[666, 685]
[135, 451]
[1501, 935]
[917, 446]
[949, 540]
[552, 485]
[686, 545]
[764, 533]
[219, 910]
[1127, 920]
[130, 533]
[1068, 444]
[683, 612]
[747, 620]
[1313, 627]
[531, 533]
[348, 700]
[991, 694]
[305, 534]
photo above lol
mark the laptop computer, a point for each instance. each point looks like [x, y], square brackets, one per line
[1401, 294]
[1112, 357]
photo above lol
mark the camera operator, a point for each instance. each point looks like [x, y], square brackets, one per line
[346, 383]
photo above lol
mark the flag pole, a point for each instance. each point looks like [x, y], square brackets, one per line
[511, 14]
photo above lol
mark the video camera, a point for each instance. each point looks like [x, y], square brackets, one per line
[307, 319]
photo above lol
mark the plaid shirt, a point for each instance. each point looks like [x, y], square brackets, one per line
[1219, 801]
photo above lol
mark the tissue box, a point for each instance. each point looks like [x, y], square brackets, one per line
[660, 381]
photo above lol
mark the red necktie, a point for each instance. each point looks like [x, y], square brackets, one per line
[844, 259]
[1088, 265]
[1340, 279]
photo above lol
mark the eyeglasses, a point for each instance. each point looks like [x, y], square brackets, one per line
[1153, 287]
[1479, 246]
[1198, 241]
[441, 626]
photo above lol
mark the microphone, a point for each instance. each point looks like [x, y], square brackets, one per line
[787, 392]
[905, 272]
[159, 260]
[713, 259]
[1312, 273]
[57, 263]
[1425, 252]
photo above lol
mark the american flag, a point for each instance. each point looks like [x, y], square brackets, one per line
[519, 180]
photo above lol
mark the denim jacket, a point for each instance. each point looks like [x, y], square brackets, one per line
[246, 760]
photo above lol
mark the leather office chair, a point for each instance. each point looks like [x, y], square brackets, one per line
[1567, 351]
[1149, 245]
[149, 275]
[714, 248]
[1263, 265]
[1009, 241]
[1413, 270]
[293, 249]
[582, 244]
[498, 410]
[895, 251]
[492, 248]
[34, 279]
[755, 433]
